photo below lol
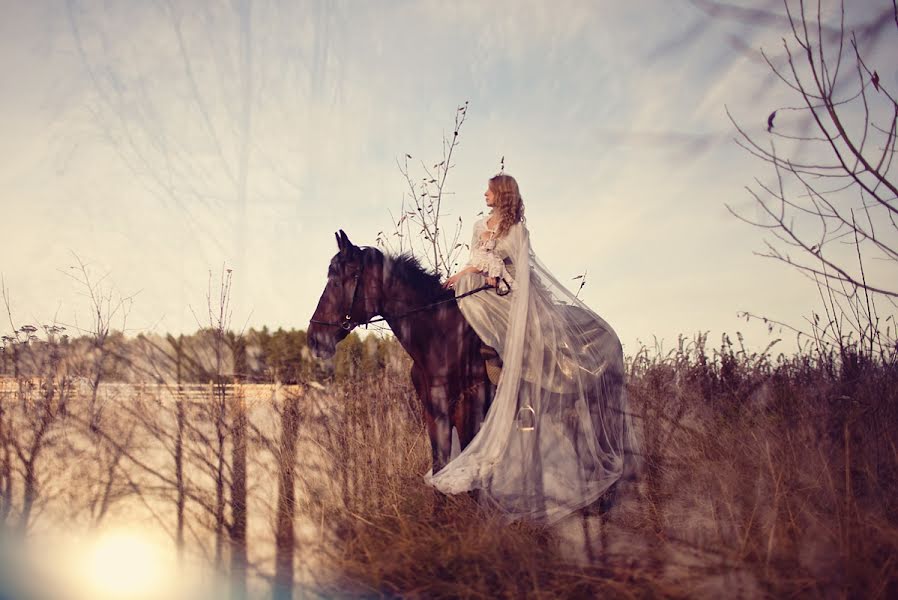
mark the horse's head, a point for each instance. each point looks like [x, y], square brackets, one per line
[351, 296]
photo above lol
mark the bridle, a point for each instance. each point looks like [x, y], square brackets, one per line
[348, 323]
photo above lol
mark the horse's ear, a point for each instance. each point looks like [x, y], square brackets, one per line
[344, 243]
[339, 240]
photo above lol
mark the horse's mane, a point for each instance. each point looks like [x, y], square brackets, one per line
[408, 268]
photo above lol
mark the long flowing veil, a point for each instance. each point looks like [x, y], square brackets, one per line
[558, 433]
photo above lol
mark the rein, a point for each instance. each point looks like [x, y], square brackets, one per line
[348, 323]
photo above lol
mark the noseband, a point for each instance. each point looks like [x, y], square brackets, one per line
[346, 322]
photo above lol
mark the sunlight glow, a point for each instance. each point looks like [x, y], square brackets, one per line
[122, 565]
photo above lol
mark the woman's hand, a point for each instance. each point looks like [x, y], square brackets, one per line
[450, 283]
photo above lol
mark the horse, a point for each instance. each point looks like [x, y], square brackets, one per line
[448, 370]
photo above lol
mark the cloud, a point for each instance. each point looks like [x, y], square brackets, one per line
[622, 150]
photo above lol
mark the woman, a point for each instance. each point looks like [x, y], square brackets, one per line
[554, 438]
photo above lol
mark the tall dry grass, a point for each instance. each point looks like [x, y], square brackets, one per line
[763, 477]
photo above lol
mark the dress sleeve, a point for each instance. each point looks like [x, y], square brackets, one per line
[486, 260]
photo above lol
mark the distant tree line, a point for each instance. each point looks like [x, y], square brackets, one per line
[257, 356]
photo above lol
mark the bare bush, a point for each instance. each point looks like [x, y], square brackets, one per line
[419, 228]
[831, 207]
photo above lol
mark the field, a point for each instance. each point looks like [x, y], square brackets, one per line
[762, 476]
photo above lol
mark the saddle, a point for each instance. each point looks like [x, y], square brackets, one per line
[492, 362]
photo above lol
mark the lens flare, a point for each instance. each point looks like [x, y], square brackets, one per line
[123, 565]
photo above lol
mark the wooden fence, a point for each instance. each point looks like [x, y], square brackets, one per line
[192, 392]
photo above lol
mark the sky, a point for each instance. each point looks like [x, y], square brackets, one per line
[161, 142]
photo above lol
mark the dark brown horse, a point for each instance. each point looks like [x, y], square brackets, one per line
[448, 370]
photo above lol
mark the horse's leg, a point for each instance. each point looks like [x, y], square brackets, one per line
[467, 411]
[434, 401]
[423, 391]
[467, 414]
[464, 417]
[473, 395]
[438, 425]
[436, 416]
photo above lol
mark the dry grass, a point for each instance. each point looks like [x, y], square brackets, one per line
[762, 478]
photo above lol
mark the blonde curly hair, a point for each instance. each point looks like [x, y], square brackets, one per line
[509, 204]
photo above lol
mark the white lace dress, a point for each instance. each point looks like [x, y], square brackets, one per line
[484, 255]
[557, 432]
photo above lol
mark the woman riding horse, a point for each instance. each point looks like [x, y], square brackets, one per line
[555, 437]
